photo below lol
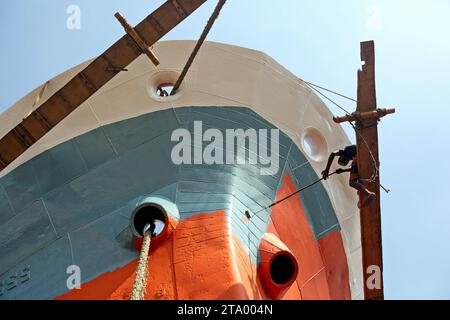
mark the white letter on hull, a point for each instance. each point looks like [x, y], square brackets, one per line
[274, 159]
[74, 280]
[198, 142]
[181, 153]
[216, 146]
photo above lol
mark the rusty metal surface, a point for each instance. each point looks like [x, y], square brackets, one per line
[91, 79]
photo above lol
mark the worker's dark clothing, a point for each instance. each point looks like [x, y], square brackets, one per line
[350, 154]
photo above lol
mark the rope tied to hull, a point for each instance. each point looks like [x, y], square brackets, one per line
[140, 282]
[198, 46]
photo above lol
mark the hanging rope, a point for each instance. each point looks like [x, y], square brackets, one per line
[376, 171]
[326, 97]
[295, 193]
[330, 91]
[199, 44]
[140, 282]
[299, 191]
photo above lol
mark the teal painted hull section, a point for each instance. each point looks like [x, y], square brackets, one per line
[72, 204]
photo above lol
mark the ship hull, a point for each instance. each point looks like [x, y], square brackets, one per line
[70, 202]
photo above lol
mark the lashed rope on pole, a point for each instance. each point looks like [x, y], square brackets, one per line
[199, 44]
[140, 282]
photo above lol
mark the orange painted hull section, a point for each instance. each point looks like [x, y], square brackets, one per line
[201, 259]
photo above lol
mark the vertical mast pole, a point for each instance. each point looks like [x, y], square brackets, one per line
[367, 142]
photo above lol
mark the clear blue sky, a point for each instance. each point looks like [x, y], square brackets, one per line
[317, 40]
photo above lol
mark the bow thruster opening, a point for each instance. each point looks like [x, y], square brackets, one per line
[283, 269]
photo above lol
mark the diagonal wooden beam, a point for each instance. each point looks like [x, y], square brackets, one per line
[368, 166]
[92, 78]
